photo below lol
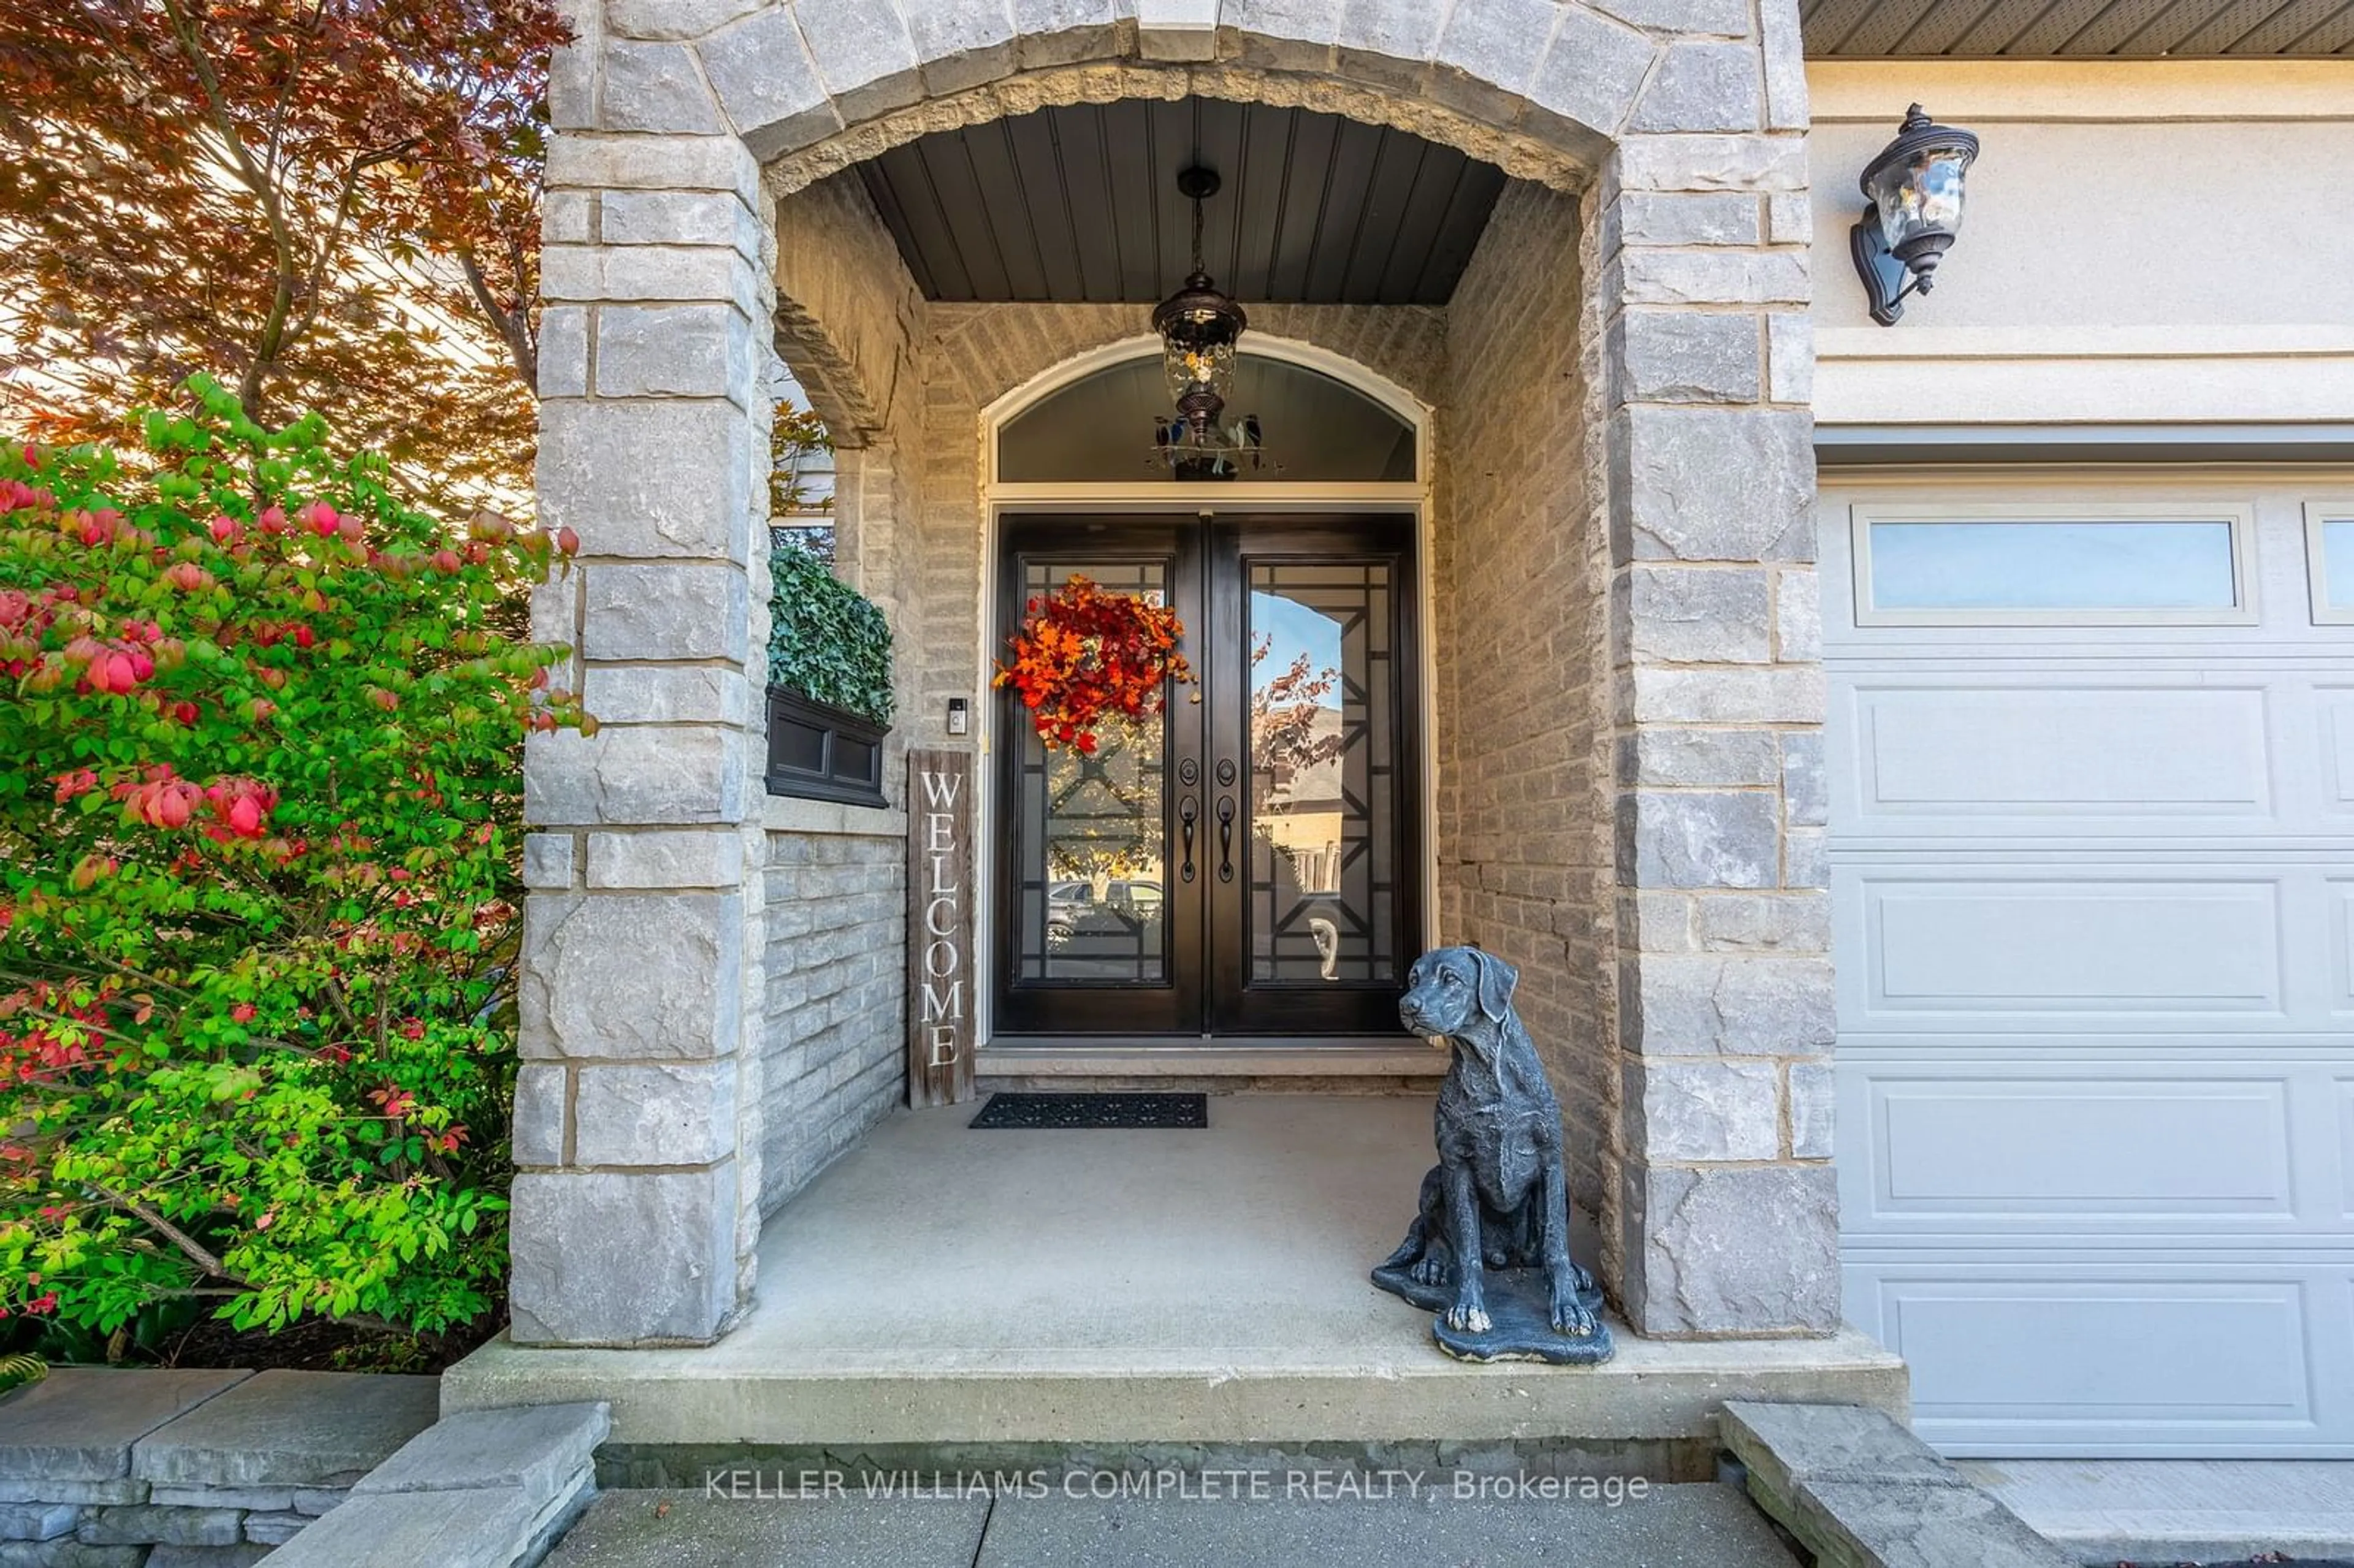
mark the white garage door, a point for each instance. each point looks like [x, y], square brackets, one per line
[2091, 795]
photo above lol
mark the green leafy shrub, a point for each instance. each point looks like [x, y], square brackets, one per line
[257, 890]
[826, 643]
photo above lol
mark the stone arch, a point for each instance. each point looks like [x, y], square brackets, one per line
[1540, 88]
[1391, 353]
[1566, 165]
[846, 337]
[1671, 292]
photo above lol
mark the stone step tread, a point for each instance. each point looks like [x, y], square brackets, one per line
[1896, 1524]
[78, 1424]
[289, 1429]
[1859, 1490]
[447, 1530]
[539, 1450]
[751, 1389]
[1784, 1443]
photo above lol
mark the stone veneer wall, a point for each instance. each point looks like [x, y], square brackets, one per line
[1728, 1219]
[1523, 674]
[684, 132]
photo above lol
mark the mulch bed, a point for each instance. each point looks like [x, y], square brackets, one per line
[318, 1345]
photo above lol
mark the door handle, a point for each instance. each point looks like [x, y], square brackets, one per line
[1225, 838]
[1189, 811]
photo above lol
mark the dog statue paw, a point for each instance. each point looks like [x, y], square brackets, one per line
[1467, 1320]
[1570, 1317]
[1488, 1247]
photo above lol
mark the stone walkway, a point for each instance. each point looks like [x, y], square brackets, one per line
[1693, 1526]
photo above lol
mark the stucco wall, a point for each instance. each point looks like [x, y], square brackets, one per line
[2144, 241]
[1523, 665]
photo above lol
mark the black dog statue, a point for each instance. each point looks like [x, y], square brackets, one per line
[1494, 1213]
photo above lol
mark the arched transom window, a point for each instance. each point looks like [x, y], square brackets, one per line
[1314, 428]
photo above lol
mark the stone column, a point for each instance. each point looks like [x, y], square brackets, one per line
[1729, 1211]
[636, 1134]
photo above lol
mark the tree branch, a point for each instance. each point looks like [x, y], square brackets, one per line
[513, 327]
[264, 186]
[216, 1269]
[331, 244]
[195, 1250]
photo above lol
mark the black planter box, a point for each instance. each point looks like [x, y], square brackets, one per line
[818, 752]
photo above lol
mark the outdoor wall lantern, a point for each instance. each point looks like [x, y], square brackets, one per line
[1913, 193]
[1199, 328]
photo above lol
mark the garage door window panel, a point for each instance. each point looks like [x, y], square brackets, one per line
[2053, 567]
[2329, 558]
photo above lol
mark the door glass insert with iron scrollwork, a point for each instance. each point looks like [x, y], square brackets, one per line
[1323, 781]
[1241, 863]
[1094, 906]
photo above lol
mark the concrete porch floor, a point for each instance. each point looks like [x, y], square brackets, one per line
[940, 1287]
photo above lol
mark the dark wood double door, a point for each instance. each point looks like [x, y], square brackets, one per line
[1249, 864]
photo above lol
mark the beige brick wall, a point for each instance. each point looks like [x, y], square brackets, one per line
[834, 1060]
[1523, 660]
[975, 354]
[849, 323]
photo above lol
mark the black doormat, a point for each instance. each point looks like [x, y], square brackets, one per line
[1094, 1110]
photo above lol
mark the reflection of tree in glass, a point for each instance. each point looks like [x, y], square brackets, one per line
[1284, 738]
[1297, 740]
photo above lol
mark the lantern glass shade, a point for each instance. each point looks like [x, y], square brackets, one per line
[1921, 194]
[1913, 193]
[1199, 366]
[1199, 328]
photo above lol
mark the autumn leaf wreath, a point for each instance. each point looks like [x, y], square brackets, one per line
[1086, 655]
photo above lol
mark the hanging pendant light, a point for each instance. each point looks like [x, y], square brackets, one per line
[1199, 327]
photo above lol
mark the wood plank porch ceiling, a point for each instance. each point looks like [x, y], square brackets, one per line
[1080, 204]
[2076, 29]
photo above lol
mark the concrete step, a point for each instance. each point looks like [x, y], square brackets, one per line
[944, 1288]
[751, 1392]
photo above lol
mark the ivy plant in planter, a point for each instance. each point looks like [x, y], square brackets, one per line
[829, 684]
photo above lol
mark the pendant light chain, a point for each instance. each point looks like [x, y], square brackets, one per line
[1199, 327]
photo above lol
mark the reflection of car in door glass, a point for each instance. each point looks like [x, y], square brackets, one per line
[1126, 906]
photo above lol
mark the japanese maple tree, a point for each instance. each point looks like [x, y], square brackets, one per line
[329, 203]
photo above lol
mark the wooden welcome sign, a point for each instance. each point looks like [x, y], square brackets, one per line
[940, 992]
